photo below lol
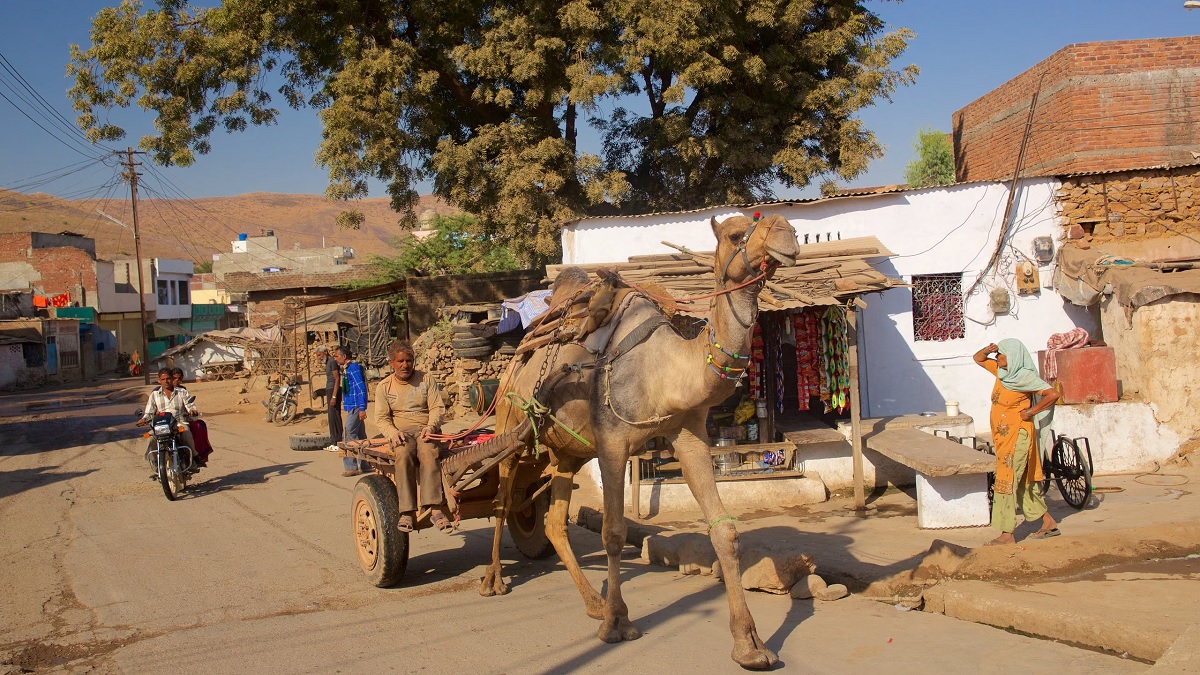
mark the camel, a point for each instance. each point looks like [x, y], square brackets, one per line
[662, 385]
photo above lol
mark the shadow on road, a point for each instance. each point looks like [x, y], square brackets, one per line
[20, 480]
[240, 479]
[63, 431]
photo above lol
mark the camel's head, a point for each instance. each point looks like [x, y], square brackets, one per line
[747, 247]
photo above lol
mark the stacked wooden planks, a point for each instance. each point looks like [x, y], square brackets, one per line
[825, 273]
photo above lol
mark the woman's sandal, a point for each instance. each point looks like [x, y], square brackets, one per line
[406, 523]
[1045, 534]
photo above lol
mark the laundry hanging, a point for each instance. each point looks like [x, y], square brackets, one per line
[755, 367]
[808, 358]
[835, 390]
[780, 329]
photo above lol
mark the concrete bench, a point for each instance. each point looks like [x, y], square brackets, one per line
[951, 478]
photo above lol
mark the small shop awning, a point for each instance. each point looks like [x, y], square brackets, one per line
[207, 310]
[168, 328]
[84, 314]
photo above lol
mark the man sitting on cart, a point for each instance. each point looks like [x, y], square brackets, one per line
[408, 410]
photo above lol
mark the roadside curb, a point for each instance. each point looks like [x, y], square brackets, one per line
[635, 533]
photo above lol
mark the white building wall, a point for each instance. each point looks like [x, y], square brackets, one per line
[932, 231]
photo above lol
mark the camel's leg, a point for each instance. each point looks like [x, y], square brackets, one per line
[493, 582]
[691, 449]
[562, 482]
[615, 625]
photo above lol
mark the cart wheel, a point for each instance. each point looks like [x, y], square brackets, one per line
[527, 527]
[1074, 477]
[382, 548]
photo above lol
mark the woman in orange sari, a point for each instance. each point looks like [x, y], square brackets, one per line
[1016, 418]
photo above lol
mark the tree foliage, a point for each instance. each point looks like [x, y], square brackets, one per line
[711, 102]
[934, 164]
[451, 248]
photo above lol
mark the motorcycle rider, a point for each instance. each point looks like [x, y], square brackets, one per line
[167, 399]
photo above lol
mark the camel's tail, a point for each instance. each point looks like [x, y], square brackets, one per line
[483, 456]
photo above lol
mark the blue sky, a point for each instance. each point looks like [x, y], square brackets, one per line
[964, 49]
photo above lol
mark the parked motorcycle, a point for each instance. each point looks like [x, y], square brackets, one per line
[282, 404]
[173, 461]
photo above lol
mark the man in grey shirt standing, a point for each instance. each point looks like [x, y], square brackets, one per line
[333, 394]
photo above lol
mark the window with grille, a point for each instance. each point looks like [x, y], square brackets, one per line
[937, 305]
[163, 294]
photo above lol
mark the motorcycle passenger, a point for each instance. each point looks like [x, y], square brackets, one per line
[166, 398]
[198, 428]
[408, 408]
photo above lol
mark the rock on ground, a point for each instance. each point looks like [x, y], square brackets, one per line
[774, 568]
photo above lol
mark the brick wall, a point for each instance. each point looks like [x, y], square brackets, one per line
[1102, 106]
[426, 295]
[61, 269]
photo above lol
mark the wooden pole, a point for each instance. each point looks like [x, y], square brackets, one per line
[137, 252]
[307, 358]
[856, 442]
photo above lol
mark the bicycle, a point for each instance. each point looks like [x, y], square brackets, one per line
[1064, 465]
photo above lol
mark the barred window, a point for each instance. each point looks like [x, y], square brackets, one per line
[937, 306]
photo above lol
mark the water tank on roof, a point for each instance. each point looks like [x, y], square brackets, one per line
[241, 236]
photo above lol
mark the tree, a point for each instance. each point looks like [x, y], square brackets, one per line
[453, 247]
[934, 164]
[204, 267]
[487, 98]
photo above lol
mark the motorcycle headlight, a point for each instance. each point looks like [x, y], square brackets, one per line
[162, 429]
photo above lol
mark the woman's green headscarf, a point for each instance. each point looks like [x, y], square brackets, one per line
[1021, 374]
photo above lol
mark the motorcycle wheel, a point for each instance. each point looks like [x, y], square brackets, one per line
[167, 476]
[286, 413]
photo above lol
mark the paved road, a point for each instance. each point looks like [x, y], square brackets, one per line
[255, 572]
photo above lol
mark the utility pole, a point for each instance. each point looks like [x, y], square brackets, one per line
[132, 175]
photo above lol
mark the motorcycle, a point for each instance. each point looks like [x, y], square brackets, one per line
[282, 404]
[173, 461]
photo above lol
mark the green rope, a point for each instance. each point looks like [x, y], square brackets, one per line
[535, 409]
[719, 520]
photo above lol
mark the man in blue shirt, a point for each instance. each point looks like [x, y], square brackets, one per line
[354, 403]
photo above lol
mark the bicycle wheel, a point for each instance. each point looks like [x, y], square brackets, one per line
[1073, 475]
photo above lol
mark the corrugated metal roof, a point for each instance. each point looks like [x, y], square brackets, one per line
[1168, 165]
[852, 193]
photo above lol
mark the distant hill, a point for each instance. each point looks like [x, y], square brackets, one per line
[196, 229]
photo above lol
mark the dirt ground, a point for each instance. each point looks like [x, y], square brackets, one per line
[254, 569]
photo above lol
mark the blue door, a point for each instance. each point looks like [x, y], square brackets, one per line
[52, 355]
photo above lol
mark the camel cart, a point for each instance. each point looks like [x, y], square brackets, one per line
[470, 480]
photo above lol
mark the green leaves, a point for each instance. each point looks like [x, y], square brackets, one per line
[713, 102]
[934, 164]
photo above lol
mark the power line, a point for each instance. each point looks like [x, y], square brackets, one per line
[55, 117]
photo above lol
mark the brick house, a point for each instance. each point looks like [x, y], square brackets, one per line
[1101, 106]
[265, 292]
[1116, 124]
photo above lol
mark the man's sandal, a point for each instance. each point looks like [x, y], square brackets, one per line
[406, 523]
[440, 521]
[1045, 534]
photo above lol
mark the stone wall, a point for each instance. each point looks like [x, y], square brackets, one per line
[1157, 353]
[1133, 205]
